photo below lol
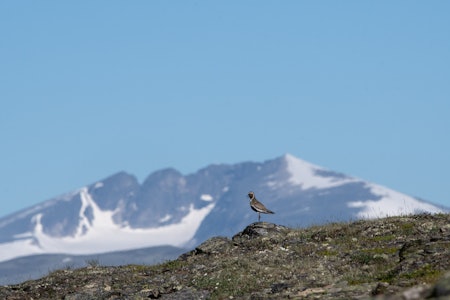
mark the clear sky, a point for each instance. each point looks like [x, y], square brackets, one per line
[91, 88]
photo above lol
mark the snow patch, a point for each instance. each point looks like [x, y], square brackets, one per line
[98, 185]
[272, 184]
[101, 234]
[305, 174]
[165, 218]
[206, 197]
[23, 235]
[392, 203]
[19, 248]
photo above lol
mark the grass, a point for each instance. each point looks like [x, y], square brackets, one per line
[425, 274]
[93, 263]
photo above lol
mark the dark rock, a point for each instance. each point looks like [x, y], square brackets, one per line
[214, 245]
[381, 288]
[186, 294]
[278, 287]
[154, 294]
[442, 288]
[261, 229]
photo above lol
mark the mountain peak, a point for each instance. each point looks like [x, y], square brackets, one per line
[167, 173]
[308, 175]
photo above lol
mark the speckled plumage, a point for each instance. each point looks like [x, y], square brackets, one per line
[258, 206]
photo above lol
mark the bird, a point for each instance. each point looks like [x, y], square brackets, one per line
[258, 206]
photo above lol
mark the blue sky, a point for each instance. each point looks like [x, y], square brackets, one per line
[88, 89]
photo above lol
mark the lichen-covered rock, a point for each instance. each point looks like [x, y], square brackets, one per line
[214, 245]
[261, 230]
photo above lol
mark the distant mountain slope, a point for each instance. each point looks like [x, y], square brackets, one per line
[168, 208]
[35, 266]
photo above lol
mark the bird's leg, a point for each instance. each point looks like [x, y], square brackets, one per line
[259, 216]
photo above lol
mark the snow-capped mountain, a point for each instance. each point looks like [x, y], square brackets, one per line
[118, 213]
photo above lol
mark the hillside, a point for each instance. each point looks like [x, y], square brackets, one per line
[405, 257]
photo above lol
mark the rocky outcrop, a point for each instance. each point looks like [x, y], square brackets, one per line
[394, 258]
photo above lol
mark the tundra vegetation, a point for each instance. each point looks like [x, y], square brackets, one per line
[406, 257]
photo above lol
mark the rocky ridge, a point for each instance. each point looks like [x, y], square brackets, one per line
[405, 257]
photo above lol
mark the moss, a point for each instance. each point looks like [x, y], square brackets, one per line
[426, 273]
[387, 276]
[138, 268]
[225, 285]
[328, 252]
[407, 228]
[362, 257]
[171, 265]
[384, 238]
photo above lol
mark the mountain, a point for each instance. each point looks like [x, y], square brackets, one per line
[170, 209]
